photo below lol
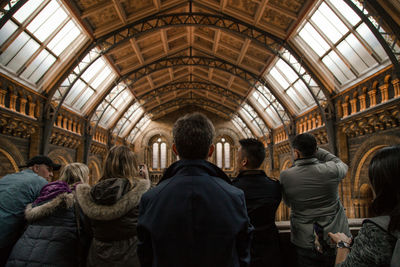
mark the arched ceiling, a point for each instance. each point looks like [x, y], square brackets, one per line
[170, 61]
[247, 61]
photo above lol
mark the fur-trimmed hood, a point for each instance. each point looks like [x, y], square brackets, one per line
[110, 212]
[46, 209]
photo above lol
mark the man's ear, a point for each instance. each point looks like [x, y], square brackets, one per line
[211, 150]
[297, 153]
[244, 161]
[174, 149]
[35, 168]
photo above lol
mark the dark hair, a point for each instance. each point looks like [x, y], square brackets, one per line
[193, 135]
[254, 150]
[305, 143]
[384, 175]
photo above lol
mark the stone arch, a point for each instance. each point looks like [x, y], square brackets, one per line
[362, 157]
[60, 156]
[228, 132]
[12, 153]
[286, 162]
[157, 131]
[7, 163]
[95, 170]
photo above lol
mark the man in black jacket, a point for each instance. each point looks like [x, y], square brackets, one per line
[263, 196]
[194, 217]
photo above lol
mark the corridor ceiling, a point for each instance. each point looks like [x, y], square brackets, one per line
[122, 63]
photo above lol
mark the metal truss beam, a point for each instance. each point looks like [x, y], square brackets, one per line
[251, 78]
[204, 86]
[191, 101]
[374, 21]
[7, 14]
[153, 23]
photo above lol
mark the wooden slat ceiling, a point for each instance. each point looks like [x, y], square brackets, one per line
[274, 16]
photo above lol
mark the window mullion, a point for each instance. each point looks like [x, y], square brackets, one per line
[23, 26]
[333, 47]
[352, 29]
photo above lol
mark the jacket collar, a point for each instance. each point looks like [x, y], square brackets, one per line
[251, 173]
[306, 161]
[190, 166]
[110, 212]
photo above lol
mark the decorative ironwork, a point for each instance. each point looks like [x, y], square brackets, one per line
[12, 7]
[374, 21]
[152, 23]
[207, 86]
[192, 101]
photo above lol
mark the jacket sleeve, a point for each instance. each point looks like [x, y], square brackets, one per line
[243, 239]
[282, 181]
[144, 248]
[327, 157]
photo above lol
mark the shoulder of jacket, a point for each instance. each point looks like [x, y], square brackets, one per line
[46, 209]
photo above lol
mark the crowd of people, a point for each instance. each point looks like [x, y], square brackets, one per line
[196, 215]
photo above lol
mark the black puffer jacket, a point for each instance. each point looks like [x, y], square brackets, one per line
[51, 237]
[112, 207]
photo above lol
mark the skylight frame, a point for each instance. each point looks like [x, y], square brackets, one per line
[367, 42]
[43, 60]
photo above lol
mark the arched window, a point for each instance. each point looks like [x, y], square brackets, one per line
[223, 153]
[158, 153]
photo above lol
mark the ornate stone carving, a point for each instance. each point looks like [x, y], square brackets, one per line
[15, 126]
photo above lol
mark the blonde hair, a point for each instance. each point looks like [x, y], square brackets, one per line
[120, 163]
[75, 172]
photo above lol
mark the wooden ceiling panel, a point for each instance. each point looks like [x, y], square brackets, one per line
[178, 43]
[247, 7]
[133, 7]
[294, 6]
[104, 17]
[232, 40]
[258, 53]
[205, 32]
[274, 18]
[252, 65]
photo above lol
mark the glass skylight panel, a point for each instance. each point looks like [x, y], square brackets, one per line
[139, 127]
[39, 66]
[47, 31]
[370, 38]
[314, 39]
[47, 21]
[93, 81]
[241, 126]
[27, 9]
[342, 41]
[8, 29]
[64, 38]
[346, 12]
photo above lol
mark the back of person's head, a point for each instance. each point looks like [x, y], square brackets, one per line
[120, 163]
[305, 143]
[193, 135]
[254, 151]
[384, 175]
[75, 172]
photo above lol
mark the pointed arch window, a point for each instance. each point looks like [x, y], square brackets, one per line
[224, 153]
[158, 153]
